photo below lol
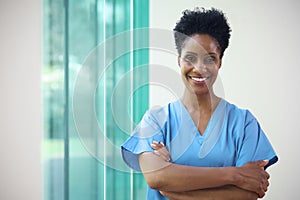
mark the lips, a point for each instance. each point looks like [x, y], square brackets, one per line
[199, 79]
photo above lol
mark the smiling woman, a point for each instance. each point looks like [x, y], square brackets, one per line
[210, 148]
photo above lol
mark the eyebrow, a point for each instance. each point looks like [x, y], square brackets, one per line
[211, 53]
[190, 52]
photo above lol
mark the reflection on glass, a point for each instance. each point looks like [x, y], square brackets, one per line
[89, 23]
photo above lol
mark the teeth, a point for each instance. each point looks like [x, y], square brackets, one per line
[198, 79]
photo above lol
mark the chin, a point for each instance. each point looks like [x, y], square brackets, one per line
[199, 91]
[202, 93]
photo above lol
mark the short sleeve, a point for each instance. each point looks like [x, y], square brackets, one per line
[148, 130]
[255, 144]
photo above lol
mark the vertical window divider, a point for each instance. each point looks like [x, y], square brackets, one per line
[96, 96]
[66, 93]
[104, 101]
[131, 86]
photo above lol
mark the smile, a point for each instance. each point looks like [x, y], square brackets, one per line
[199, 79]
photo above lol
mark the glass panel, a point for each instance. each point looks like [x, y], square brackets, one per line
[85, 172]
[53, 98]
[89, 71]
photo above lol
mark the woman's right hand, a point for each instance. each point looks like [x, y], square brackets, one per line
[161, 150]
[253, 177]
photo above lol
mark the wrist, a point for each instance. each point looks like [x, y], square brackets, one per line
[231, 176]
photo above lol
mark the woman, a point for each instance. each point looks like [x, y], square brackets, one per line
[213, 149]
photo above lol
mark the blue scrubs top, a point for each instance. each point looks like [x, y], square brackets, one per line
[232, 137]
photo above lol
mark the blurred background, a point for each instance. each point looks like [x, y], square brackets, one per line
[62, 61]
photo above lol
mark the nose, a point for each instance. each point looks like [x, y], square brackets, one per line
[200, 66]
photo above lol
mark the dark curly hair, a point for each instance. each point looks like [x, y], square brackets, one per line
[201, 21]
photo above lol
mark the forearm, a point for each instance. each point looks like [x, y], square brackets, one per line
[249, 177]
[221, 193]
[165, 176]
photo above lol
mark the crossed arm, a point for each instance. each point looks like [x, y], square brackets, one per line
[221, 193]
[186, 182]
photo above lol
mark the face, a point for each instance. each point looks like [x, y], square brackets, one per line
[199, 63]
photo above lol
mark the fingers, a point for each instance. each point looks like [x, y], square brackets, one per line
[164, 155]
[259, 163]
[263, 163]
[160, 150]
[261, 194]
[255, 178]
[263, 188]
[267, 175]
[157, 145]
[264, 184]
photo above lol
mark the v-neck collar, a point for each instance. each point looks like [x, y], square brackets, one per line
[213, 130]
[212, 119]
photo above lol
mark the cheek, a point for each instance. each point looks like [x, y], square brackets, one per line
[185, 67]
[215, 74]
[216, 71]
[184, 70]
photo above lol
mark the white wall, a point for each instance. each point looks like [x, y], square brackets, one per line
[260, 71]
[20, 101]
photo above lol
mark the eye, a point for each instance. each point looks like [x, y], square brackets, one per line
[190, 58]
[209, 60]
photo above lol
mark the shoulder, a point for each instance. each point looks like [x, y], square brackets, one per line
[237, 114]
[162, 111]
[161, 114]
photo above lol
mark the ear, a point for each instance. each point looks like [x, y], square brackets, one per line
[178, 60]
[220, 64]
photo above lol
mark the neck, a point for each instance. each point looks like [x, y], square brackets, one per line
[201, 103]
